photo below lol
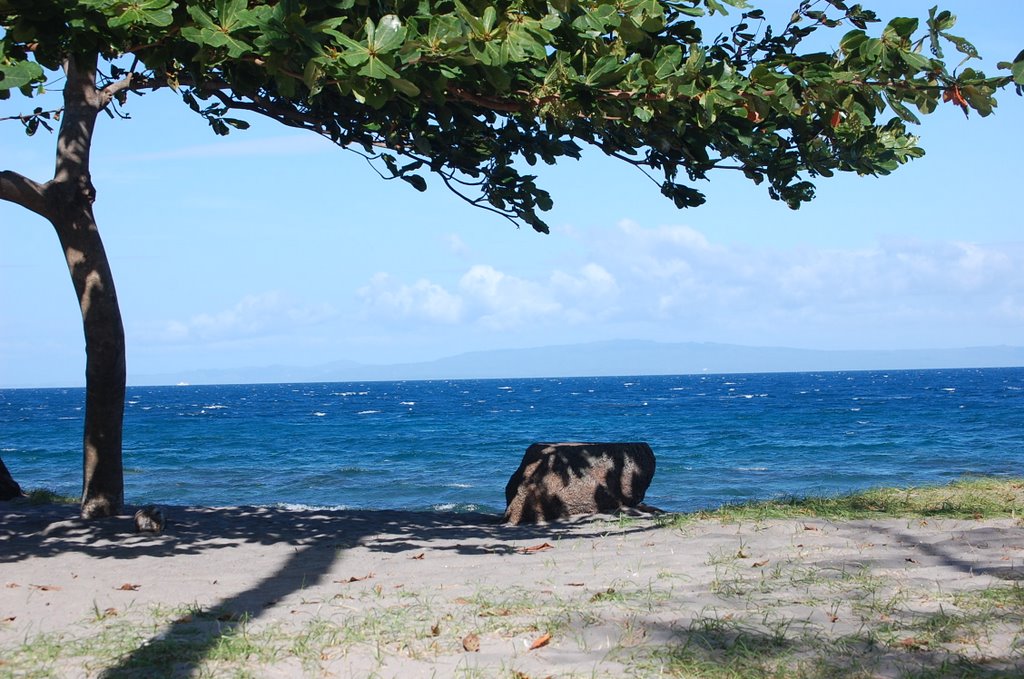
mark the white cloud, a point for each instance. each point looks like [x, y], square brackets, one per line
[501, 301]
[456, 245]
[673, 282]
[253, 316]
[422, 300]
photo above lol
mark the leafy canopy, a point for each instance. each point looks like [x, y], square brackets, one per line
[469, 89]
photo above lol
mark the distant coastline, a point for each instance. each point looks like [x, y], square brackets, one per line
[594, 359]
[625, 357]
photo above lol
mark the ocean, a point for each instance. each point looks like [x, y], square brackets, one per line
[451, 445]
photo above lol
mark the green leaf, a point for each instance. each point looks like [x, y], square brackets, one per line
[405, 87]
[418, 182]
[902, 27]
[1018, 72]
[19, 74]
[916, 61]
[377, 69]
[388, 35]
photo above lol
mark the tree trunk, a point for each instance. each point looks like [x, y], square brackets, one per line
[72, 195]
[9, 488]
[102, 475]
[66, 202]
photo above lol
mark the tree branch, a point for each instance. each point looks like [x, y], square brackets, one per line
[22, 191]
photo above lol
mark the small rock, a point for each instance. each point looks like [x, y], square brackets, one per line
[149, 519]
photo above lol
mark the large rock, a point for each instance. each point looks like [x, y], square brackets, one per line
[9, 488]
[558, 480]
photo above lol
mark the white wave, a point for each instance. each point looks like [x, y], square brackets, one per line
[854, 410]
[319, 414]
[407, 403]
[751, 469]
[367, 412]
[445, 507]
[950, 389]
[293, 507]
[458, 485]
[214, 407]
[505, 388]
[678, 389]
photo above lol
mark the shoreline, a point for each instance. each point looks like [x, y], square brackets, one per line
[278, 592]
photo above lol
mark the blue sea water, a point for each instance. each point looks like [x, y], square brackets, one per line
[452, 445]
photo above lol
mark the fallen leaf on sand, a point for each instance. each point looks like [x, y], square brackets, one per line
[806, 527]
[463, 600]
[471, 642]
[129, 587]
[435, 631]
[535, 548]
[574, 584]
[542, 640]
[833, 617]
[910, 559]
[758, 564]
[109, 612]
[913, 643]
[419, 556]
[10, 619]
[12, 585]
[46, 588]
[356, 578]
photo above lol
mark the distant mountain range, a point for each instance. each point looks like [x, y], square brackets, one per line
[627, 357]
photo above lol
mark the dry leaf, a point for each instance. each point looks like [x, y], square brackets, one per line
[471, 642]
[419, 556]
[463, 600]
[12, 585]
[574, 584]
[183, 620]
[10, 619]
[435, 631]
[110, 613]
[758, 564]
[356, 578]
[129, 587]
[910, 559]
[535, 548]
[542, 640]
[833, 617]
[806, 527]
[46, 588]
[378, 589]
[914, 643]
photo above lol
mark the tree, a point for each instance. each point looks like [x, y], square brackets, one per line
[472, 91]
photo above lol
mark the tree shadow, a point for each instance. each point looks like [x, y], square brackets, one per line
[319, 538]
[725, 648]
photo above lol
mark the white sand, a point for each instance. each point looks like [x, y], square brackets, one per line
[358, 593]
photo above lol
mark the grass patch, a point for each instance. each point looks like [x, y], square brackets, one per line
[43, 496]
[971, 498]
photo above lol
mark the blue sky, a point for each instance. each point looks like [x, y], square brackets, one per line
[272, 247]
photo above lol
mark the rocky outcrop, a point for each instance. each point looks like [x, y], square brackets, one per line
[559, 480]
[9, 488]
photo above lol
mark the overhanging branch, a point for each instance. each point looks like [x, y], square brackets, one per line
[22, 191]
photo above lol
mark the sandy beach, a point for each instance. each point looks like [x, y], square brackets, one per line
[272, 592]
